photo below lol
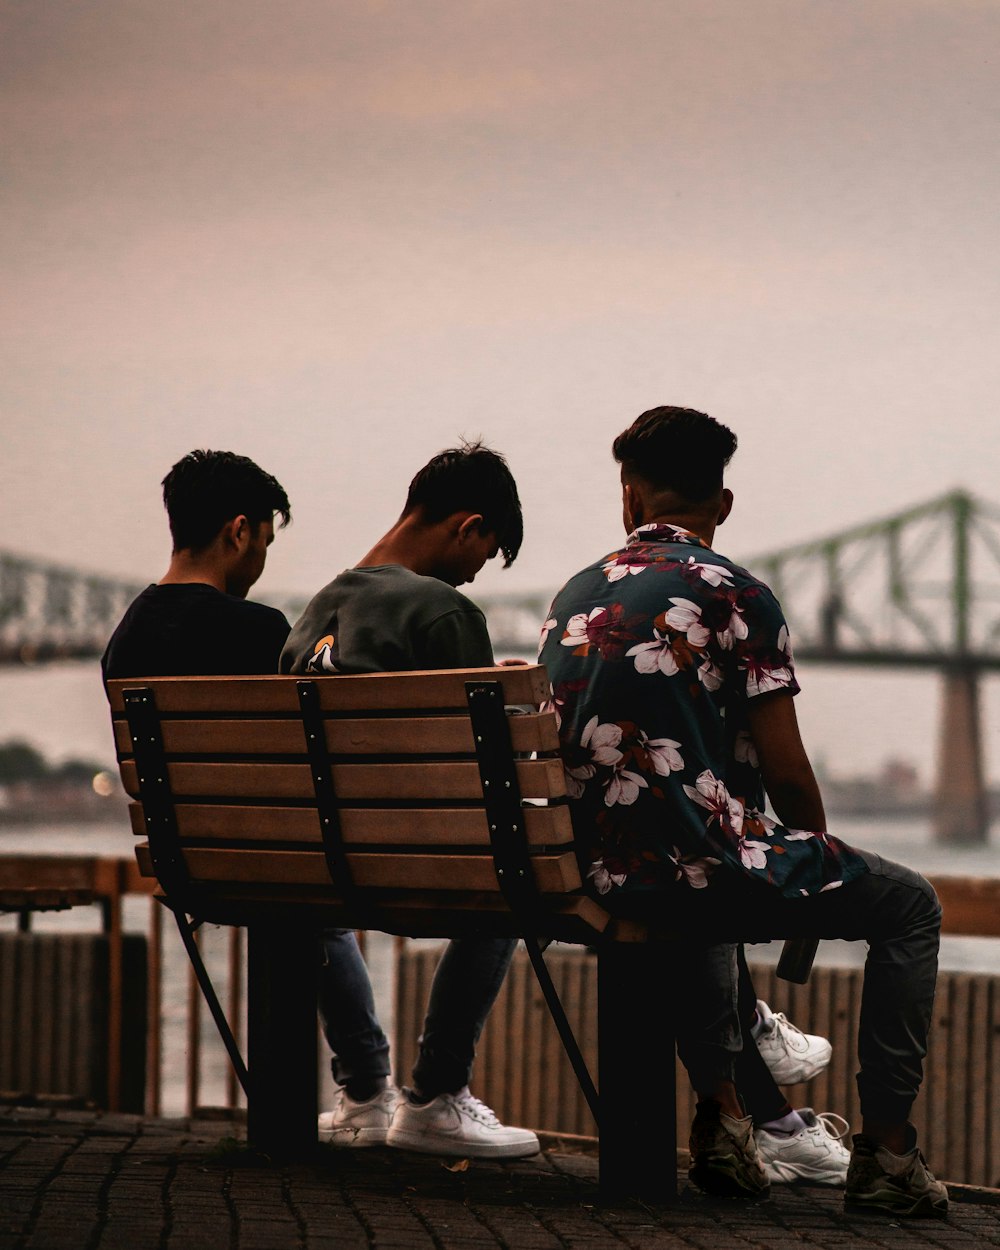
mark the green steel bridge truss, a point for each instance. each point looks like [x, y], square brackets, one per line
[920, 588]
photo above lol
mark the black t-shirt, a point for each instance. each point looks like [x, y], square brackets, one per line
[190, 629]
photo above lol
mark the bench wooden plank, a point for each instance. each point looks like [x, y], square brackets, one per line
[438, 688]
[449, 826]
[553, 873]
[570, 917]
[426, 735]
[969, 905]
[537, 779]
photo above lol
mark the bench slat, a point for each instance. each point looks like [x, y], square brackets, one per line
[571, 917]
[554, 874]
[450, 826]
[537, 779]
[438, 688]
[426, 735]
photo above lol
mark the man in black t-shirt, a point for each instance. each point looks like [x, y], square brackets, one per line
[196, 621]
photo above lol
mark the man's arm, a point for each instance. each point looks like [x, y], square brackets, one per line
[788, 775]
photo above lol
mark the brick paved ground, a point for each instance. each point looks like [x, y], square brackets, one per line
[83, 1181]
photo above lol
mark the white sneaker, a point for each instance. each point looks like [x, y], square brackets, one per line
[815, 1154]
[359, 1124]
[792, 1056]
[457, 1124]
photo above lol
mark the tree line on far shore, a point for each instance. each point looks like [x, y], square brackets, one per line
[22, 762]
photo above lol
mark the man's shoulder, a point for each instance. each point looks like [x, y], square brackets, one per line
[260, 612]
[193, 628]
[646, 577]
[738, 570]
[446, 598]
[419, 593]
[198, 599]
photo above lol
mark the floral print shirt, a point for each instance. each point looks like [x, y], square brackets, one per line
[654, 653]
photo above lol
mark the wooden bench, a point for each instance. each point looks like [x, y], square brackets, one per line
[411, 803]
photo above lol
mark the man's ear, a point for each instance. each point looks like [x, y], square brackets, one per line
[631, 508]
[725, 507]
[472, 525]
[237, 533]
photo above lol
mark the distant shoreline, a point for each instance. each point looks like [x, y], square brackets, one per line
[95, 811]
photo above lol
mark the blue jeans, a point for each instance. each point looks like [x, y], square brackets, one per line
[466, 983]
[890, 907]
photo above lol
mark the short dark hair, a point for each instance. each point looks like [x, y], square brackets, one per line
[471, 478]
[677, 449]
[206, 489]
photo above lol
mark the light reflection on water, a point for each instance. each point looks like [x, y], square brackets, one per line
[907, 841]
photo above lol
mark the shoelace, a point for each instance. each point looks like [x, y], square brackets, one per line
[830, 1121]
[476, 1109]
[783, 1027]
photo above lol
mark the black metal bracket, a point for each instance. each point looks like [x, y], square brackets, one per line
[320, 766]
[511, 855]
[502, 799]
[155, 793]
[165, 847]
[187, 930]
[563, 1027]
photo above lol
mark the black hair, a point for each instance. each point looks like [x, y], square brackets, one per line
[475, 479]
[206, 489]
[677, 449]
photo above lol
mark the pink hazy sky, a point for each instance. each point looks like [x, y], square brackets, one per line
[336, 236]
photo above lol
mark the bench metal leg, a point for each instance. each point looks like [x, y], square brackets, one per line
[566, 1034]
[281, 1034]
[187, 930]
[636, 1047]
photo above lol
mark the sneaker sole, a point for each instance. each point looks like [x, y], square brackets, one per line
[428, 1144]
[892, 1202]
[353, 1138]
[777, 1176]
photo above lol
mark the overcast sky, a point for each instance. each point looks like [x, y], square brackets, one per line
[337, 235]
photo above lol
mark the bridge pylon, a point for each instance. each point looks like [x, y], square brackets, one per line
[961, 808]
[918, 590]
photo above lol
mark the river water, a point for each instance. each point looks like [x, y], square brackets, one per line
[908, 841]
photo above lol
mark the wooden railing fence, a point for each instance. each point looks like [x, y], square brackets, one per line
[521, 1070]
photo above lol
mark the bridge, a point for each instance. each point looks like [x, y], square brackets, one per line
[917, 590]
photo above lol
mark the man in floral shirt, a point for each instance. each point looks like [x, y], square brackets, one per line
[673, 680]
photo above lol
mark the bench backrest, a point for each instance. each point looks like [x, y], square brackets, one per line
[357, 796]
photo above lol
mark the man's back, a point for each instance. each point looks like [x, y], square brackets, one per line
[655, 654]
[386, 618]
[192, 629]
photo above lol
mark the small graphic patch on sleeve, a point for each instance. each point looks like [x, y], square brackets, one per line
[322, 660]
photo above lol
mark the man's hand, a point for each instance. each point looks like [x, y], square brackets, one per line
[788, 775]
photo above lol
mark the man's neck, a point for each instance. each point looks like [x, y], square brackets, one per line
[701, 526]
[406, 545]
[186, 569]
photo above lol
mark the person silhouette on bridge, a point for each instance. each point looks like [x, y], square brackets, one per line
[673, 679]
